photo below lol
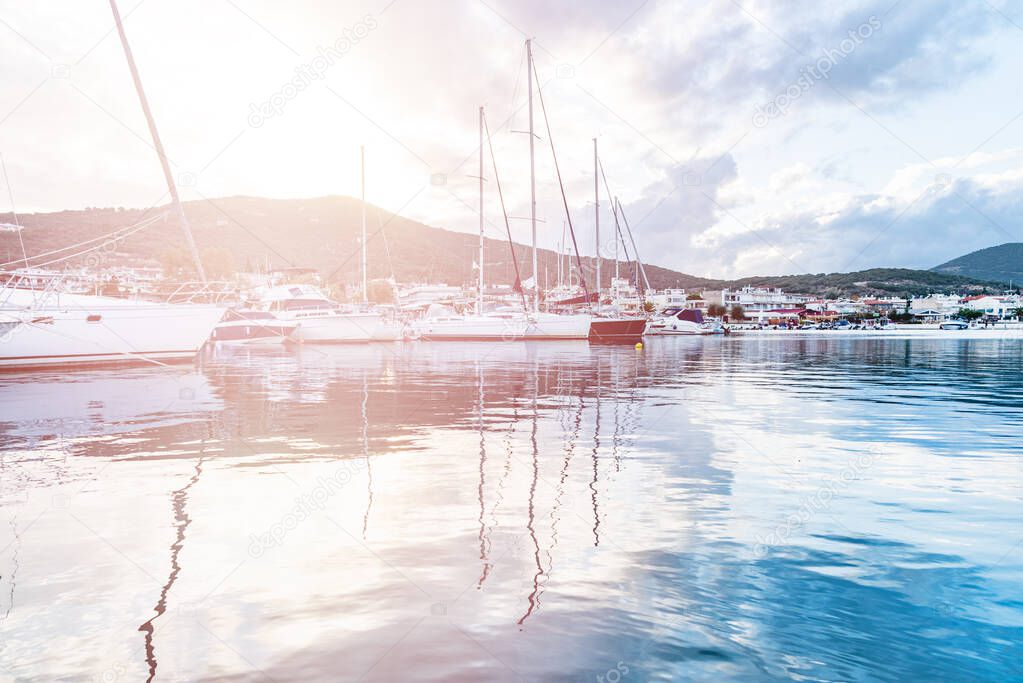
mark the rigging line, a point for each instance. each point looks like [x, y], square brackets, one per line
[515, 91]
[504, 211]
[133, 230]
[107, 236]
[635, 251]
[614, 209]
[564, 199]
[14, 212]
[387, 248]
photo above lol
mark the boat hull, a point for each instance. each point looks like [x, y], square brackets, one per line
[617, 330]
[94, 333]
[254, 333]
[544, 327]
[549, 326]
[340, 328]
[472, 328]
[681, 327]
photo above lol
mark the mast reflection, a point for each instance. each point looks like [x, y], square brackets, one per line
[182, 521]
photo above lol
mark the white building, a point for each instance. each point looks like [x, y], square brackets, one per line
[668, 298]
[753, 299]
[994, 306]
[935, 307]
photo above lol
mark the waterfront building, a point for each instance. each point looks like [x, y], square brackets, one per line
[753, 299]
[669, 298]
[992, 306]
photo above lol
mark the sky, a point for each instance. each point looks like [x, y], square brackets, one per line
[742, 137]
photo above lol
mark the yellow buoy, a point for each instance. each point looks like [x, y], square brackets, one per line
[639, 345]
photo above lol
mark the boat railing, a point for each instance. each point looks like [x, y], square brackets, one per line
[43, 285]
[195, 291]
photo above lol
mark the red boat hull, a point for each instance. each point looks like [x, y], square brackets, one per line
[617, 330]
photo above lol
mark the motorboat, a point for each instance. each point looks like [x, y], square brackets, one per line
[246, 326]
[954, 325]
[56, 328]
[318, 319]
[673, 321]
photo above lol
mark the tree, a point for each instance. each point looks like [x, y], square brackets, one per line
[737, 312]
[648, 306]
[969, 314]
[1017, 313]
[173, 261]
[693, 297]
[716, 310]
[380, 291]
[218, 263]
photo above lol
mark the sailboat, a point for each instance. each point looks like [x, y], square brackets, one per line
[52, 327]
[547, 325]
[609, 328]
[505, 323]
[319, 319]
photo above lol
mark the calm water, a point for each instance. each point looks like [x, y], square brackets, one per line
[722, 509]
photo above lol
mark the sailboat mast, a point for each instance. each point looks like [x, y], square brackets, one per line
[479, 294]
[362, 174]
[596, 217]
[171, 186]
[532, 174]
[614, 211]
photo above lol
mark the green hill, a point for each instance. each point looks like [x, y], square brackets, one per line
[1003, 263]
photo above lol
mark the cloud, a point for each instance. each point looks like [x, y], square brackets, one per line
[669, 88]
[946, 218]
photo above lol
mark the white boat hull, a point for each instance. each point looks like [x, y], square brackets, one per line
[344, 327]
[545, 326]
[103, 330]
[553, 326]
[673, 327]
[471, 328]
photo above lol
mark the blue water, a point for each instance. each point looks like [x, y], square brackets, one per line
[703, 509]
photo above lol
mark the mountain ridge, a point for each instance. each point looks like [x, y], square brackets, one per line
[322, 233]
[1001, 263]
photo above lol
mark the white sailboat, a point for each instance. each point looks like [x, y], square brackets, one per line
[72, 329]
[50, 327]
[545, 325]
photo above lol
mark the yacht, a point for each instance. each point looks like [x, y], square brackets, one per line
[673, 321]
[246, 326]
[318, 319]
[55, 328]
